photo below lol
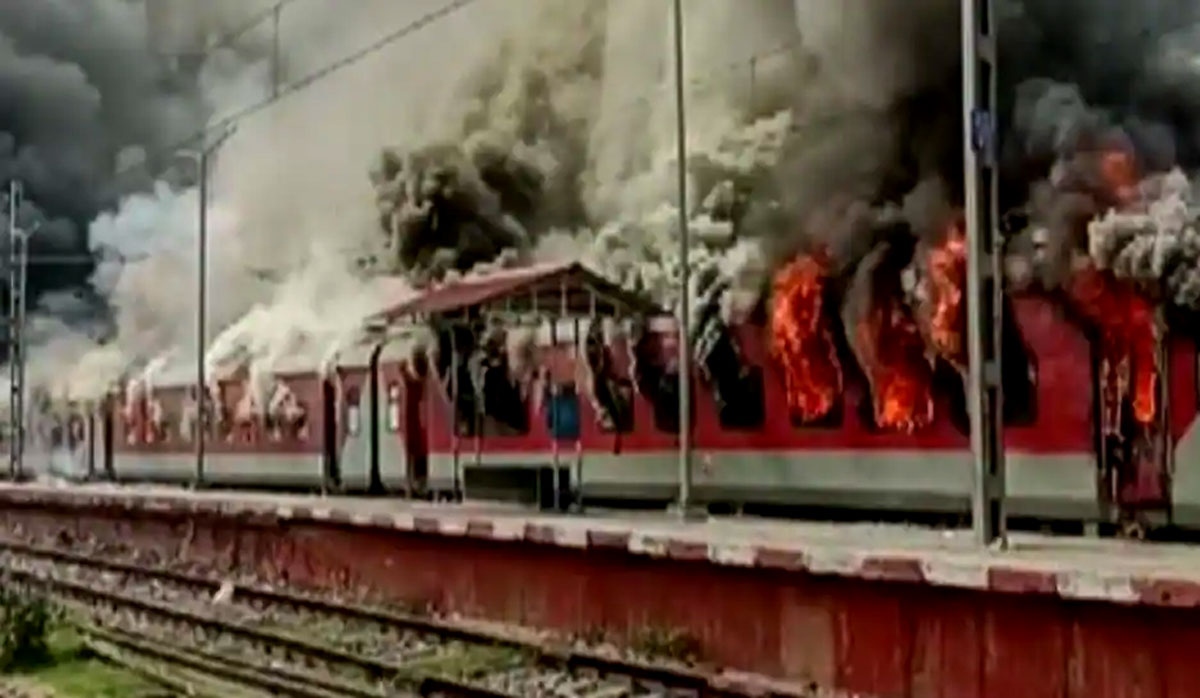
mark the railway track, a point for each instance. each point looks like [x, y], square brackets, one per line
[279, 642]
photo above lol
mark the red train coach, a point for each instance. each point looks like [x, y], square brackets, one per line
[553, 386]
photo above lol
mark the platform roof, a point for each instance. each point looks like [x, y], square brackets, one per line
[568, 288]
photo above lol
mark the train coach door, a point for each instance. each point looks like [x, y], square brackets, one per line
[415, 443]
[332, 475]
[1134, 441]
[106, 426]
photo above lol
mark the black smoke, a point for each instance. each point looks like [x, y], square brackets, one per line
[1085, 73]
[1074, 74]
[85, 92]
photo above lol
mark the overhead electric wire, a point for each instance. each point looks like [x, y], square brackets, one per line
[696, 82]
[228, 38]
[283, 91]
[301, 84]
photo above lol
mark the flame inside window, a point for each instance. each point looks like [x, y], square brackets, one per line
[802, 340]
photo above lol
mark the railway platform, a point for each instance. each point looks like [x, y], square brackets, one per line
[880, 610]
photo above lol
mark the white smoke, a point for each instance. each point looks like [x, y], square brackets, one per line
[1154, 240]
[580, 93]
[573, 110]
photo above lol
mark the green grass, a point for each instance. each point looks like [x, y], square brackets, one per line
[463, 661]
[71, 672]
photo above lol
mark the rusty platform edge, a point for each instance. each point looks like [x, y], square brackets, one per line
[981, 575]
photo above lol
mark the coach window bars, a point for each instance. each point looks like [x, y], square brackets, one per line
[188, 416]
[503, 409]
[737, 386]
[566, 404]
[456, 443]
[158, 429]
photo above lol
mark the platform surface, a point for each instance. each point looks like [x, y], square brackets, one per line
[1125, 572]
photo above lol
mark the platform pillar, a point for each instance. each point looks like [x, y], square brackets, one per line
[984, 274]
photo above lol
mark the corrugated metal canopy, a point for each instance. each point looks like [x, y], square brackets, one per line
[568, 288]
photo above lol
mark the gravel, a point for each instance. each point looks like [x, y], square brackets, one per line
[498, 669]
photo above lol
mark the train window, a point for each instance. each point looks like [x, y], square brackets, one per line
[737, 388]
[454, 346]
[658, 383]
[158, 429]
[187, 421]
[353, 410]
[76, 436]
[562, 412]
[461, 388]
[504, 410]
[297, 420]
[1018, 373]
[213, 419]
[466, 420]
[741, 399]
[613, 395]
[665, 402]
[393, 407]
[615, 399]
[285, 419]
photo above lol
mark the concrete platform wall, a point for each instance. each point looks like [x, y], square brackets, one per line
[887, 637]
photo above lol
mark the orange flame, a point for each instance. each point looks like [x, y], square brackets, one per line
[947, 278]
[1120, 174]
[1128, 344]
[901, 377]
[802, 342]
[1123, 316]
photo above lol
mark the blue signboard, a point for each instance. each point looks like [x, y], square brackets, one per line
[983, 134]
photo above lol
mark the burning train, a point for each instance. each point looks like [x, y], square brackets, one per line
[830, 372]
[551, 385]
[841, 388]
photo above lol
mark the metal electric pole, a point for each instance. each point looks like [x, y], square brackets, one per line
[202, 159]
[985, 282]
[685, 330]
[18, 266]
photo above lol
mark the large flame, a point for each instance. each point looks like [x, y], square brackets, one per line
[899, 371]
[1124, 317]
[947, 269]
[802, 341]
[1128, 331]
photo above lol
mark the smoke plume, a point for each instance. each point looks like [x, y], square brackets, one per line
[88, 87]
[512, 132]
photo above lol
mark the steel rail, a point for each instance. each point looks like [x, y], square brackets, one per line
[237, 671]
[376, 669]
[544, 654]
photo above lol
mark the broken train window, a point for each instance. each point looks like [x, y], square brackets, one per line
[656, 375]
[498, 392]
[455, 345]
[737, 386]
[613, 393]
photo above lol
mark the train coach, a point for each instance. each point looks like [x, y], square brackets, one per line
[552, 386]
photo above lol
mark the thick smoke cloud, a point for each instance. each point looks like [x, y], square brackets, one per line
[82, 88]
[548, 132]
[1104, 101]
[95, 95]
[858, 125]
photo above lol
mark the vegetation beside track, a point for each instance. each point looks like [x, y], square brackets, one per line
[41, 656]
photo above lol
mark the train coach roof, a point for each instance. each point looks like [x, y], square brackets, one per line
[568, 286]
